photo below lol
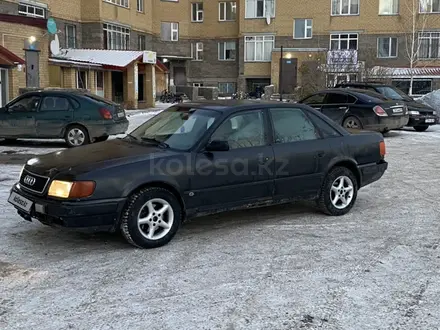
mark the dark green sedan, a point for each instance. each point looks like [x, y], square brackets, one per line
[77, 117]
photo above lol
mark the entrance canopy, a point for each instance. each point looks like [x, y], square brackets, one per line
[8, 58]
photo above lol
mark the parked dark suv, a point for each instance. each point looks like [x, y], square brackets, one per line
[421, 116]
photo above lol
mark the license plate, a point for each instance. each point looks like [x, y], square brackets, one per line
[429, 120]
[121, 114]
[21, 202]
[397, 110]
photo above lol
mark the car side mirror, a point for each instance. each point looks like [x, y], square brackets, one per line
[217, 145]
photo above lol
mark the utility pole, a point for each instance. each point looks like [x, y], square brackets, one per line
[280, 83]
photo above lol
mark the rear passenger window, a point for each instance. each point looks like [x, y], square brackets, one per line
[315, 99]
[325, 128]
[351, 99]
[292, 125]
[336, 98]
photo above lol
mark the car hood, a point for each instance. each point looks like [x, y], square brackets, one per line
[415, 105]
[94, 156]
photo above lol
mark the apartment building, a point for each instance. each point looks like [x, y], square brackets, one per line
[233, 45]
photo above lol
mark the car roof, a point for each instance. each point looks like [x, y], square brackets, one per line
[57, 91]
[364, 84]
[353, 91]
[229, 105]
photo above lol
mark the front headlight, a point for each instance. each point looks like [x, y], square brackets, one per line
[435, 113]
[412, 112]
[67, 189]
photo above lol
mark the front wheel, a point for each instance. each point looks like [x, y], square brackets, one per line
[151, 218]
[338, 192]
[421, 128]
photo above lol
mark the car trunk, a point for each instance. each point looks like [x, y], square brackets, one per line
[393, 108]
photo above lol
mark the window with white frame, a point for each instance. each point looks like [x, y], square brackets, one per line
[169, 31]
[140, 6]
[302, 28]
[122, 3]
[197, 51]
[197, 12]
[226, 51]
[70, 33]
[31, 10]
[258, 48]
[345, 7]
[389, 7]
[260, 8]
[344, 41]
[386, 47]
[227, 87]
[429, 6]
[116, 37]
[429, 45]
[227, 11]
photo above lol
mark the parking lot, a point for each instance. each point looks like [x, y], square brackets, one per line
[284, 267]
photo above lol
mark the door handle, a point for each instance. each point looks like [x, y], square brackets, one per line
[321, 154]
[262, 159]
[343, 108]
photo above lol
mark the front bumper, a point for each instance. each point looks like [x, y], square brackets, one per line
[93, 215]
[422, 120]
[387, 123]
[372, 172]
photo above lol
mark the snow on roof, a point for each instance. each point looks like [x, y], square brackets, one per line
[406, 72]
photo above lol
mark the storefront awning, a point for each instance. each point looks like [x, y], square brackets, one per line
[108, 59]
[387, 72]
[8, 58]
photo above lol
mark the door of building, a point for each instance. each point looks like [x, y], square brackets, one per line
[179, 76]
[141, 87]
[288, 75]
[100, 83]
[3, 87]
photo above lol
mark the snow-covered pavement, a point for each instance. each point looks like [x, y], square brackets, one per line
[277, 268]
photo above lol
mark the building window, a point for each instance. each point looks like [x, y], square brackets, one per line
[122, 3]
[116, 37]
[345, 7]
[169, 31]
[227, 11]
[70, 31]
[260, 8]
[197, 12]
[429, 45]
[31, 10]
[140, 6]
[197, 51]
[388, 7]
[386, 47]
[420, 87]
[344, 41]
[302, 29]
[142, 42]
[258, 48]
[197, 84]
[81, 79]
[429, 6]
[226, 51]
[227, 88]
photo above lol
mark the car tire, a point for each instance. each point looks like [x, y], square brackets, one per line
[101, 138]
[144, 225]
[421, 128]
[352, 123]
[76, 136]
[331, 188]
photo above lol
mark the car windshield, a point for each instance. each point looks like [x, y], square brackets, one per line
[177, 127]
[393, 93]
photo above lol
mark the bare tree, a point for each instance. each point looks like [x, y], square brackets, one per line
[312, 76]
[414, 24]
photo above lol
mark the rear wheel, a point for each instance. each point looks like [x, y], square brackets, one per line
[101, 138]
[338, 192]
[352, 122]
[421, 128]
[151, 218]
[76, 136]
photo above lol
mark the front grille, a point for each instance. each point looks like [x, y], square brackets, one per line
[33, 182]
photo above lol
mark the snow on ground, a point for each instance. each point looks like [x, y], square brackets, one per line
[283, 267]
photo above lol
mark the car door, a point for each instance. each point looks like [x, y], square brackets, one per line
[244, 173]
[54, 115]
[315, 101]
[19, 119]
[299, 150]
[337, 105]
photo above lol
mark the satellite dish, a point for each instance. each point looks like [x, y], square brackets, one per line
[55, 45]
[51, 26]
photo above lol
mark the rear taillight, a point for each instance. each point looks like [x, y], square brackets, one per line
[378, 110]
[105, 113]
[382, 148]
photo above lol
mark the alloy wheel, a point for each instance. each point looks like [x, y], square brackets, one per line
[155, 219]
[76, 137]
[341, 192]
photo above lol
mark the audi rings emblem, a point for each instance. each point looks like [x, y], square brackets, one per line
[29, 180]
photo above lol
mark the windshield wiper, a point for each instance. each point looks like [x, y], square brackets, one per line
[156, 141]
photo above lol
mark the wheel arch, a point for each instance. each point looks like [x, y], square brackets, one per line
[349, 164]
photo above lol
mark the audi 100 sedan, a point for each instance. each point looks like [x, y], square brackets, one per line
[196, 159]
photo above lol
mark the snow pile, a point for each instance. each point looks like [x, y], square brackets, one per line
[432, 99]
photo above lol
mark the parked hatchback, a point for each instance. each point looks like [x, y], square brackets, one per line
[359, 109]
[421, 116]
[78, 117]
